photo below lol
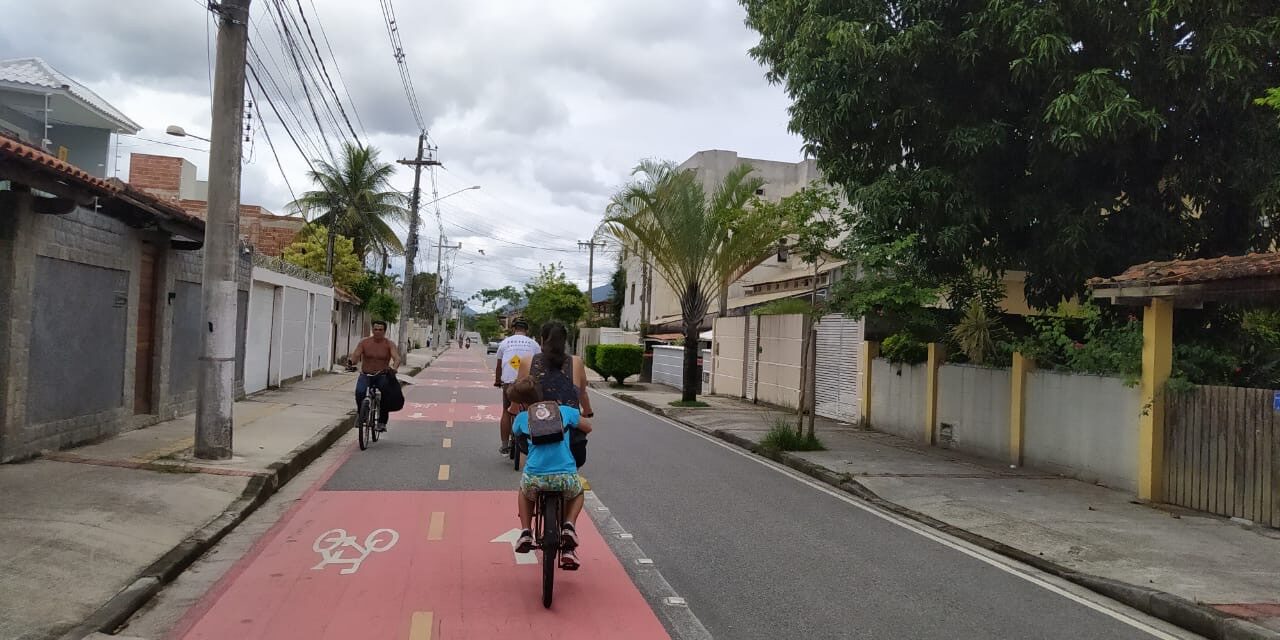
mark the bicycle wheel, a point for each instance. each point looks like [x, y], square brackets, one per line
[550, 544]
[362, 423]
[373, 420]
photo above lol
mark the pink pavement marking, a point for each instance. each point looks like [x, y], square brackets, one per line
[473, 588]
[445, 411]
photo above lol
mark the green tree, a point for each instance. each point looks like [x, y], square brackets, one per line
[550, 296]
[697, 241]
[309, 251]
[355, 199]
[1067, 138]
[508, 295]
[383, 307]
[423, 303]
[617, 298]
[487, 325]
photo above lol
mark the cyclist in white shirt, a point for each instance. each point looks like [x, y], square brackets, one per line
[514, 349]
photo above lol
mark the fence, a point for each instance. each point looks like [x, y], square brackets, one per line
[668, 365]
[1222, 452]
[729, 354]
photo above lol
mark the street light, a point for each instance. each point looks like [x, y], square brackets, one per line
[175, 130]
[476, 186]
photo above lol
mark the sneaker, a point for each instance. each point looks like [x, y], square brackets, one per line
[568, 537]
[525, 543]
[382, 427]
[569, 560]
[505, 450]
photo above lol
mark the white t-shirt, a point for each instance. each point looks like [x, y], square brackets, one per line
[514, 350]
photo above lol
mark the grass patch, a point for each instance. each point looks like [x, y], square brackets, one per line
[691, 403]
[784, 437]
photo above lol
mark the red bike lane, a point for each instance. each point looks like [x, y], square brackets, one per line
[421, 565]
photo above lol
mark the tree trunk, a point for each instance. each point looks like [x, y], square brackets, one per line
[692, 382]
[811, 386]
[802, 400]
[328, 256]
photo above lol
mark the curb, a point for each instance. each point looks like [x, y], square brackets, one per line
[169, 566]
[1175, 610]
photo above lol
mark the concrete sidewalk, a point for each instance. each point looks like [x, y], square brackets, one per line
[92, 533]
[1207, 574]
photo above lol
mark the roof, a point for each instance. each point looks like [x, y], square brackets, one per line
[761, 298]
[1191, 283]
[1153, 274]
[796, 274]
[36, 74]
[344, 295]
[23, 154]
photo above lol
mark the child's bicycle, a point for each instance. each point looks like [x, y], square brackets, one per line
[548, 513]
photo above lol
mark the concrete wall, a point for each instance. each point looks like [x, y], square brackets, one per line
[668, 365]
[1083, 426]
[728, 351]
[261, 312]
[973, 409]
[897, 399]
[780, 347]
[300, 326]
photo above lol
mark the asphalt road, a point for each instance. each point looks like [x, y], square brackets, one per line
[755, 551]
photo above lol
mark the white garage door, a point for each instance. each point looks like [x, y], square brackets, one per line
[257, 357]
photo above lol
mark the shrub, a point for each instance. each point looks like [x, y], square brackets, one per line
[902, 348]
[619, 361]
[589, 358]
[784, 437]
[976, 332]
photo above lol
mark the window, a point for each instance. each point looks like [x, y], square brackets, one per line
[760, 191]
[633, 293]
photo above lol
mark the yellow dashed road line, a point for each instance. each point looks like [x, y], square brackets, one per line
[421, 627]
[448, 443]
[435, 530]
[444, 472]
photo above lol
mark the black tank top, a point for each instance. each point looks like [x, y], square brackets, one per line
[556, 384]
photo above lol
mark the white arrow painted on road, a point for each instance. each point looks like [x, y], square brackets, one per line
[512, 538]
[416, 415]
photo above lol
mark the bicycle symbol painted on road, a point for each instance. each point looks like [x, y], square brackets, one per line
[332, 544]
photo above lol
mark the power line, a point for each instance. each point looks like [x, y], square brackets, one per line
[337, 69]
[300, 66]
[315, 150]
[397, 50]
[170, 144]
[272, 145]
[325, 69]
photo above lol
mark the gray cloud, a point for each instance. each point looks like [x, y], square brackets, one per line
[547, 105]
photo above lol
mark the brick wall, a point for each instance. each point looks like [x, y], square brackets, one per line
[160, 175]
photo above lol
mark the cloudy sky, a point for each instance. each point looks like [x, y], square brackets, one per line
[545, 105]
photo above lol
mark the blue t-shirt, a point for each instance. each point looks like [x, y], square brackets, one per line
[548, 459]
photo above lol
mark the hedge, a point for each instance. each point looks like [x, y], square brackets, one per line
[618, 361]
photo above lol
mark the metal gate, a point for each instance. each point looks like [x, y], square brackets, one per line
[1222, 452]
[838, 368]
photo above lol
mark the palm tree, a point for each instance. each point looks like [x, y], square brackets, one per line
[356, 200]
[696, 243]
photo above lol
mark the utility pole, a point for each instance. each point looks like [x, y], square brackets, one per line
[591, 266]
[440, 302]
[411, 245]
[216, 376]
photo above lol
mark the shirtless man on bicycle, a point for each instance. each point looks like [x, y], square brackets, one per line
[377, 355]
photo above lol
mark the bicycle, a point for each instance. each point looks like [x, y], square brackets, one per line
[515, 443]
[548, 511]
[367, 420]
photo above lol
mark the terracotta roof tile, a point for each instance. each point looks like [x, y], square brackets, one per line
[37, 157]
[1173, 272]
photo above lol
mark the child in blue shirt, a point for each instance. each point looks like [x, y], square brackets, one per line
[549, 467]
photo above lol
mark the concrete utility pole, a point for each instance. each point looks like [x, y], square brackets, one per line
[440, 302]
[217, 367]
[411, 245]
[591, 264]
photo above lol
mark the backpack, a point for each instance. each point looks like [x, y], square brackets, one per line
[546, 424]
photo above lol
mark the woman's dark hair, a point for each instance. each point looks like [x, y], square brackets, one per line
[554, 337]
